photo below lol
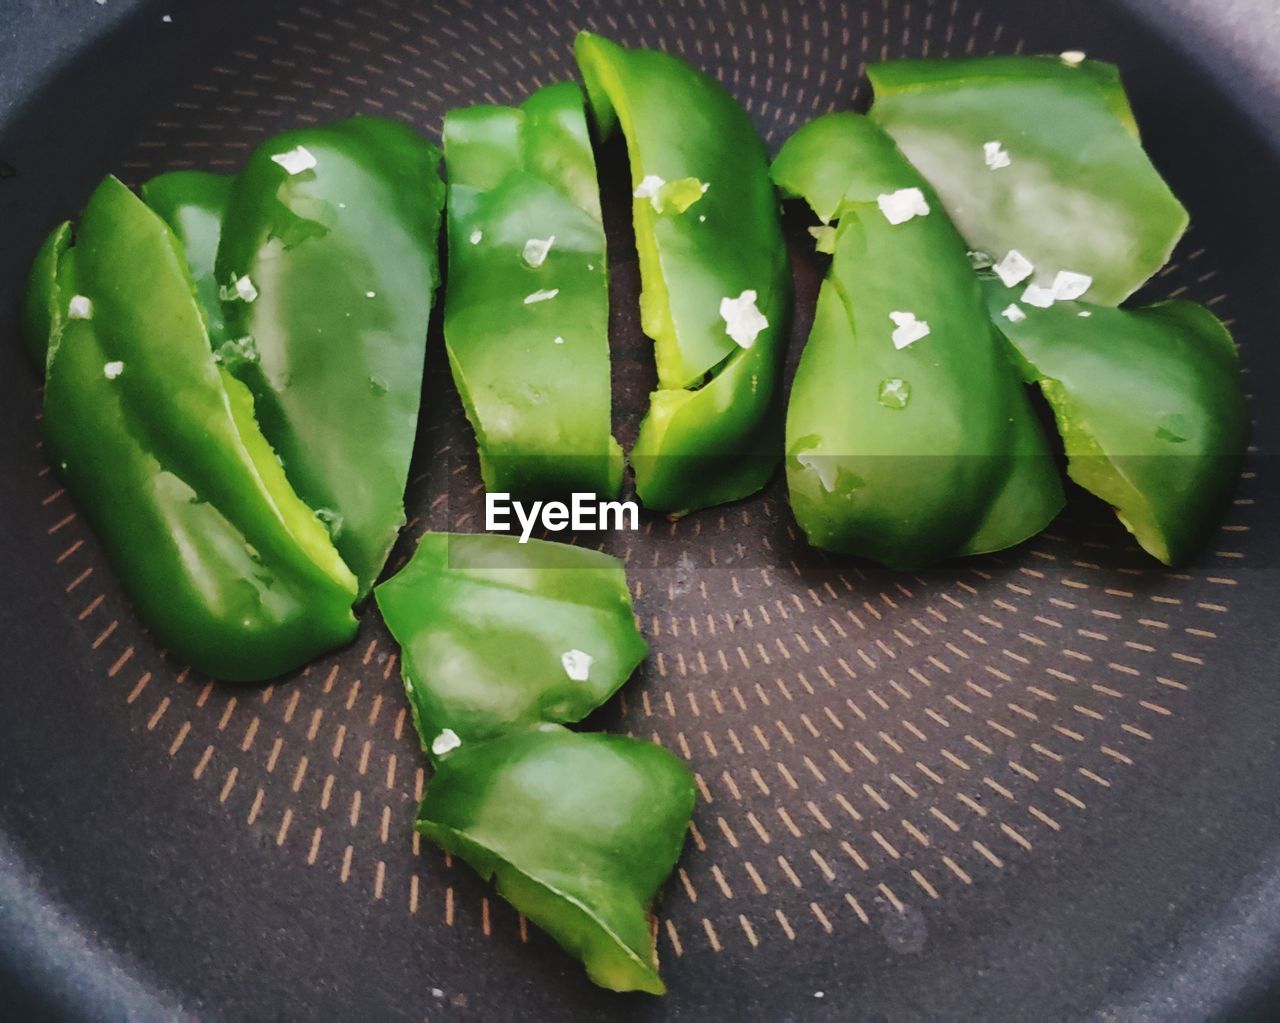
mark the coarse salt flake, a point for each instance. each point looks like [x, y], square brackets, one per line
[536, 249]
[80, 308]
[559, 340]
[824, 467]
[904, 204]
[1014, 268]
[295, 160]
[541, 296]
[476, 237]
[907, 329]
[648, 188]
[446, 742]
[241, 288]
[995, 155]
[743, 320]
[894, 393]
[577, 664]
[1069, 285]
[1038, 296]
[672, 196]
[1013, 313]
[113, 369]
[1072, 58]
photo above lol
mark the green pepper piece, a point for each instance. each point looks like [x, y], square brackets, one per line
[1149, 405]
[527, 328]
[340, 261]
[714, 423]
[498, 636]
[580, 830]
[193, 204]
[1077, 192]
[41, 307]
[159, 448]
[905, 451]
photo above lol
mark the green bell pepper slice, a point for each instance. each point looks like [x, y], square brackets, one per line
[527, 307]
[498, 635]
[707, 232]
[193, 204]
[159, 448]
[1073, 190]
[580, 830]
[42, 312]
[328, 262]
[1149, 405]
[905, 449]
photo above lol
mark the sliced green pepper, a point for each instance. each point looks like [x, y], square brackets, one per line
[580, 832]
[193, 204]
[527, 308]
[42, 310]
[159, 447]
[1149, 405]
[328, 262]
[1039, 155]
[909, 437]
[498, 636]
[716, 279]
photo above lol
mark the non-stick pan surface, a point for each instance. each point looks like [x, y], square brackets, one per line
[1021, 786]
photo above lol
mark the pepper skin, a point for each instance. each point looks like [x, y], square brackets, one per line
[1149, 405]
[42, 310]
[1078, 193]
[193, 204]
[533, 371]
[908, 454]
[159, 448]
[580, 831]
[341, 260]
[714, 424]
[490, 627]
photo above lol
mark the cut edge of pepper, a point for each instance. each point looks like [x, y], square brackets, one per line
[605, 94]
[299, 520]
[42, 311]
[491, 864]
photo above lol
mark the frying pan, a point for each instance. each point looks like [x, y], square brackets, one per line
[1034, 784]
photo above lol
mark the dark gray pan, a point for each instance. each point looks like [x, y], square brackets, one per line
[1035, 785]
